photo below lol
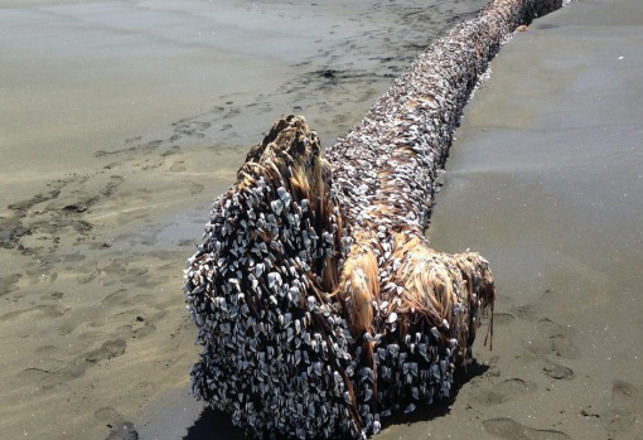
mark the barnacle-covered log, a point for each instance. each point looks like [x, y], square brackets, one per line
[319, 304]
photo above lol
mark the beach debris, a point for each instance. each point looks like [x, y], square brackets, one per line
[319, 305]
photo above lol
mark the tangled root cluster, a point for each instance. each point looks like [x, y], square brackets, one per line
[292, 348]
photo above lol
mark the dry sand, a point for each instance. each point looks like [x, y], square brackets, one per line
[121, 120]
[108, 174]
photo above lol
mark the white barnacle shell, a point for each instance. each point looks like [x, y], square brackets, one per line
[410, 408]
[284, 196]
[259, 269]
[277, 206]
[274, 280]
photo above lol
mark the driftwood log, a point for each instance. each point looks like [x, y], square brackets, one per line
[319, 304]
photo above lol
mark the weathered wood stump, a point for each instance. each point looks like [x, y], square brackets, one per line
[319, 304]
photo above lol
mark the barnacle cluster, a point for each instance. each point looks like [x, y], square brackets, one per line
[319, 304]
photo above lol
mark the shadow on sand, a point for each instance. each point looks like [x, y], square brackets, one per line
[216, 425]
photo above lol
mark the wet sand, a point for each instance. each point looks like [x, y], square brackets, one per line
[83, 76]
[121, 121]
[544, 181]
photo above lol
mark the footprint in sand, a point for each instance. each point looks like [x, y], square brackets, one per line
[505, 391]
[553, 338]
[42, 380]
[196, 188]
[8, 283]
[46, 351]
[35, 312]
[51, 373]
[503, 319]
[506, 428]
[528, 312]
[556, 371]
[33, 375]
[108, 350]
[623, 413]
[178, 166]
[190, 128]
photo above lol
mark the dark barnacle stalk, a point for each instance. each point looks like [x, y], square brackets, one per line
[319, 304]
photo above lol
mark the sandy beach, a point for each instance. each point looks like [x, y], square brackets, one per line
[122, 120]
[545, 181]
